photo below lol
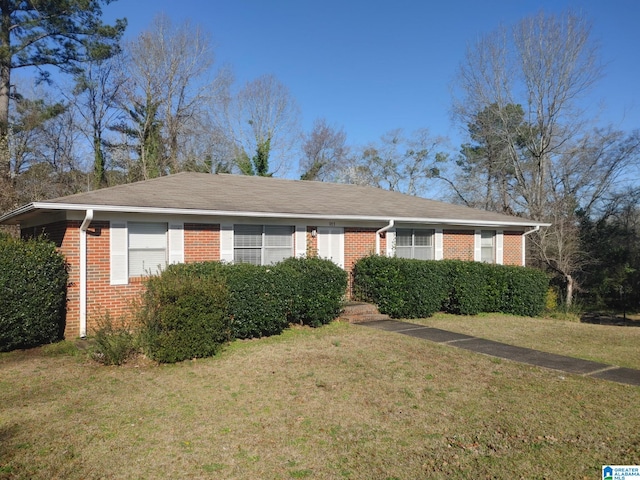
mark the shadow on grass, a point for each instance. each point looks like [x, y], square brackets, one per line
[7, 432]
[611, 319]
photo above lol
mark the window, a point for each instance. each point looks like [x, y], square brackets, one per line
[147, 248]
[262, 244]
[487, 246]
[412, 243]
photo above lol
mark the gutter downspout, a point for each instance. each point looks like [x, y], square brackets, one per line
[535, 229]
[382, 230]
[83, 272]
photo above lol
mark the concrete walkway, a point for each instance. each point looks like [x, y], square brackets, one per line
[578, 366]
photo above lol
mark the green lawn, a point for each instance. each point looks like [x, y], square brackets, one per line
[602, 343]
[341, 401]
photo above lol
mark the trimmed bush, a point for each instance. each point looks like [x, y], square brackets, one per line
[259, 297]
[468, 287]
[184, 316]
[259, 300]
[525, 292]
[33, 282]
[417, 288]
[190, 309]
[317, 289]
[400, 287]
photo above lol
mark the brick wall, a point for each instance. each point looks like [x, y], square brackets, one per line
[359, 243]
[312, 242]
[102, 297]
[458, 244]
[201, 242]
[512, 248]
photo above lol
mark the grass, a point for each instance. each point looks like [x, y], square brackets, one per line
[341, 401]
[602, 343]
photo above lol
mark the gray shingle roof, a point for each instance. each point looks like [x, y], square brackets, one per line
[228, 194]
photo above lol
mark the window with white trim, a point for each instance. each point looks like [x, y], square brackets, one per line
[488, 246]
[414, 243]
[147, 248]
[262, 244]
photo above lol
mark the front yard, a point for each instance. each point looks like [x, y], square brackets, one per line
[340, 401]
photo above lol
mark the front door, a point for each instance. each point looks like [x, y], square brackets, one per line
[331, 244]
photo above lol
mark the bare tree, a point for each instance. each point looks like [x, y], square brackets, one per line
[397, 162]
[553, 163]
[170, 87]
[95, 98]
[44, 147]
[324, 151]
[262, 123]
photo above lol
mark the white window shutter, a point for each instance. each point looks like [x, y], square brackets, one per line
[176, 243]
[499, 247]
[341, 248]
[438, 252]
[119, 274]
[226, 243]
[301, 240]
[477, 246]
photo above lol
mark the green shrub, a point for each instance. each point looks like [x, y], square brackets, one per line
[417, 288]
[526, 291]
[184, 316]
[468, 287]
[260, 297]
[400, 287]
[33, 282]
[259, 300]
[317, 288]
[114, 343]
[551, 300]
[379, 280]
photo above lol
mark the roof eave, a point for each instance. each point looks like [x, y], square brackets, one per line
[224, 213]
[28, 208]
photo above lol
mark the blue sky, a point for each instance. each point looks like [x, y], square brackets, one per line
[371, 66]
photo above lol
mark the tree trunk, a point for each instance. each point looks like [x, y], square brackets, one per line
[570, 286]
[99, 174]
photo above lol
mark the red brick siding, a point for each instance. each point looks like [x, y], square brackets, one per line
[201, 242]
[358, 243]
[312, 242]
[458, 244]
[512, 248]
[102, 297]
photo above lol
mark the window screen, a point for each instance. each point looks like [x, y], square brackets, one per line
[262, 244]
[487, 252]
[416, 244]
[147, 248]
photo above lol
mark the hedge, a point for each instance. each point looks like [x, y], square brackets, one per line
[317, 289]
[33, 282]
[400, 287]
[184, 316]
[259, 301]
[405, 288]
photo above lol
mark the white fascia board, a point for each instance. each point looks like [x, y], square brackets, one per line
[223, 213]
[20, 211]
